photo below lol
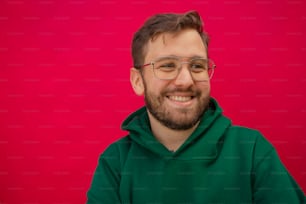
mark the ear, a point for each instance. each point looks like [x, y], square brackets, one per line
[136, 81]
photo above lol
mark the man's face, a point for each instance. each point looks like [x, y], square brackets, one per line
[179, 103]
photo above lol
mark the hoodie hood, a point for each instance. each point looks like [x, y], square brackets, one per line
[205, 141]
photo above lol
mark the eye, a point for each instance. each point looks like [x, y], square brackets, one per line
[198, 66]
[169, 67]
[166, 65]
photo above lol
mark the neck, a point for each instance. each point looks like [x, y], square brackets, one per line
[171, 139]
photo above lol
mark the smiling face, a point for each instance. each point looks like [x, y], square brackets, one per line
[179, 103]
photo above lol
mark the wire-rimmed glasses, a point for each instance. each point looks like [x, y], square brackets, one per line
[168, 68]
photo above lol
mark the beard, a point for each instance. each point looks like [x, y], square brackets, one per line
[176, 119]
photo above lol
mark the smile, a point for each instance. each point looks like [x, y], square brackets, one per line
[180, 98]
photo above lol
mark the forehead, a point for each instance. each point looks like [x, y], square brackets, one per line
[186, 43]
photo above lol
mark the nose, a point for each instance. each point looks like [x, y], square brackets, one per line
[184, 78]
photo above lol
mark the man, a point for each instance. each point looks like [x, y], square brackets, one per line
[180, 148]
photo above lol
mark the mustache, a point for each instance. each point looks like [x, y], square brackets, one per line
[189, 90]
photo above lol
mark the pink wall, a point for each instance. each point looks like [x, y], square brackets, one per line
[64, 84]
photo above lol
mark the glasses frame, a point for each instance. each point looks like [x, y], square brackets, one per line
[211, 66]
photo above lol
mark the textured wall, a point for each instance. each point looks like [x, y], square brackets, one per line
[64, 84]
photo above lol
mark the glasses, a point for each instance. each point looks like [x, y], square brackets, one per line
[168, 68]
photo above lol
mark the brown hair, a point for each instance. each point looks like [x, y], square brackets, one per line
[164, 23]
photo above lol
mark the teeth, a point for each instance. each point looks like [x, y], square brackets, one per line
[180, 98]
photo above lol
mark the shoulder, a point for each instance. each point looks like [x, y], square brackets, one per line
[120, 146]
[247, 134]
[248, 139]
[117, 151]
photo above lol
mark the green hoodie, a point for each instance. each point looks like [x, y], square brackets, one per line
[218, 163]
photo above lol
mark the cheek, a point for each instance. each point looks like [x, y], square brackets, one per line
[207, 86]
[203, 85]
[204, 88]
[154, 85]
[155, 88]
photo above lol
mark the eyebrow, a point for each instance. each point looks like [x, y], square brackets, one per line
[181, 57]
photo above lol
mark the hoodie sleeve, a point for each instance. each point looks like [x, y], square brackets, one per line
[105, 184]
[272, 183]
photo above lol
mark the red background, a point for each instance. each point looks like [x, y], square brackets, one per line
[64, 84]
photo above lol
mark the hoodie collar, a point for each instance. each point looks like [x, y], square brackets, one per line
[205, 141]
